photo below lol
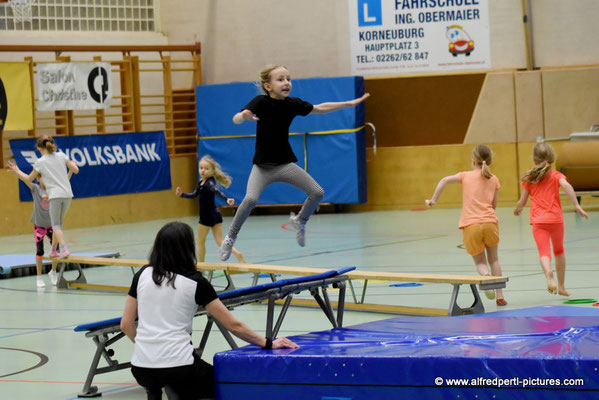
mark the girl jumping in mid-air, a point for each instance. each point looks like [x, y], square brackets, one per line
[210, 173]
[54, 166]
[274, 160]
[478, 220]
[546, 217]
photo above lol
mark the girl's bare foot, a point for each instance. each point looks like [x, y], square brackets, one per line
[563, 292]
[551, 288]
[240, 258]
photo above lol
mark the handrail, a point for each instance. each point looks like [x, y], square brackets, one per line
[193, 48]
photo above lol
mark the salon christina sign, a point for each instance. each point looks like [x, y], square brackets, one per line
[400, 36]
[73, 86]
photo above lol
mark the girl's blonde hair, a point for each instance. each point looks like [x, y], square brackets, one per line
[47, 143]
[264, 75]
[543, 156]
[483, 156]
[219, 175]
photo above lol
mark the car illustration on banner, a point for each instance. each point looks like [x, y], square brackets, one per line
[459, 41]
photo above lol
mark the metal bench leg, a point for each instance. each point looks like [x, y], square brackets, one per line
[63, 283]
[282, 314]
[364, 291]
[323, 306]
[340, 303]
[230, 284]
[353, 293]
[476, 307]
[200, 349]
[88, 389]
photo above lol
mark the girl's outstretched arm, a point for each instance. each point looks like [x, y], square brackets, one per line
[442, 183]
[323, 108]
[572, 196]
[245, 115]
[20, 174]
[521, 203]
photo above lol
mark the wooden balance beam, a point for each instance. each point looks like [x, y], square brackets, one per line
[229, 269]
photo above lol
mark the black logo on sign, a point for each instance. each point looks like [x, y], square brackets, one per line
[95, 73]
[3, 106]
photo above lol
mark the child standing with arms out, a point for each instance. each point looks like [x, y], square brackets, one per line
[546, 217]
[210, 173]
[478, 220]
[53, 167]
[42, 226]
[274, 160]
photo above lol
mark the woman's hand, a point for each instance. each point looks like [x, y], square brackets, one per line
[430, 203]
[284, 343]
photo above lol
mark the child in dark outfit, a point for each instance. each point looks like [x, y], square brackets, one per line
[210, 173]
[274, 160]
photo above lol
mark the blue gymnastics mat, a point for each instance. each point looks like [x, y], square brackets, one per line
[526, 354]
[10, 262]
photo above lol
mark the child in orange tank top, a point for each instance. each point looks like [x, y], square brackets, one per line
[478, 220]
[546, 217]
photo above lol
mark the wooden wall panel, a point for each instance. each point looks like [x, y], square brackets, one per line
[529, 105]
[403, 177]
[494, 118]
[570, 99]
[422, 110]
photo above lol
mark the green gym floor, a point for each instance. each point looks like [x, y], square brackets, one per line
[37, 324]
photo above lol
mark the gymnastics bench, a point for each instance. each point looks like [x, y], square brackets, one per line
[230, 269]
[105, 333]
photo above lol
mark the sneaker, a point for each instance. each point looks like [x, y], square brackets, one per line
[295, 225]
[54, 253]
[53, 277]
[225, 248]
[65, 254]
[40, 282]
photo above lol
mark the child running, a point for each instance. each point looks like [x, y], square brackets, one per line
[42, 226]
[210, 173]
[53, 167]
[478, 220]
[274, 160]
[542, 183]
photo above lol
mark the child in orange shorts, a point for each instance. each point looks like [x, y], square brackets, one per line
[546, 217]
[478, 220]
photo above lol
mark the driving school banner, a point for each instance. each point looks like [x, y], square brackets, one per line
[73, 86]
[16, 104]
[401, 36]
[108, 164]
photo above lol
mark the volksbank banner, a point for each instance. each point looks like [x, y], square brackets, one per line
[73, 86]
[402, 36]
[108, 164]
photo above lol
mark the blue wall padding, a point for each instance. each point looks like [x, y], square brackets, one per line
[401, 357]
[336, 161]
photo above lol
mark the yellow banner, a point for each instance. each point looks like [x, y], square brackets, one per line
[16, 104]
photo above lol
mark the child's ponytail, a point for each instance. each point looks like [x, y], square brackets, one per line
[483, 156]
[543, 156]
[47, 143]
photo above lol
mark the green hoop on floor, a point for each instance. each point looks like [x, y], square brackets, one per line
[580, 301]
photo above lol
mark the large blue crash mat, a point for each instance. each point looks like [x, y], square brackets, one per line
[540, 352]
[330, 147]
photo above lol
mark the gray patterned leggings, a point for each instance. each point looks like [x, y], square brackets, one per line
[262, 176]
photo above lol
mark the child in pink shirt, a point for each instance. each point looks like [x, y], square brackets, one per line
[546, 217]
[478, 220]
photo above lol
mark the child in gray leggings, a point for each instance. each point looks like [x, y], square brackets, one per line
[274, 160]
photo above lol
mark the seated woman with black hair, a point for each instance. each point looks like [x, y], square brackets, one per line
[164, 297]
